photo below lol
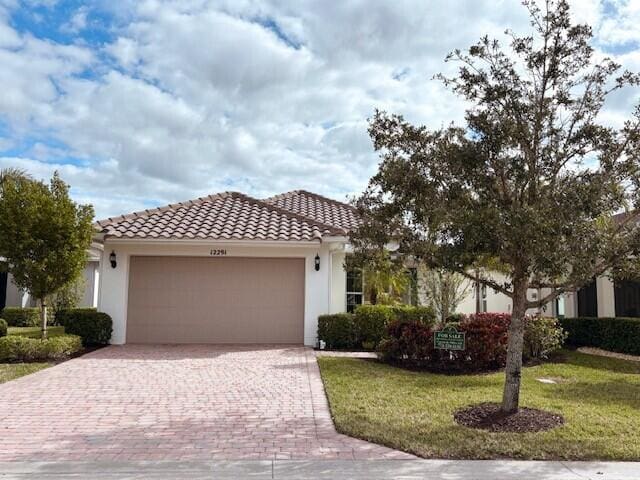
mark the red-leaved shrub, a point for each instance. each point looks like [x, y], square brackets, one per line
[486, 342]
[411, 343]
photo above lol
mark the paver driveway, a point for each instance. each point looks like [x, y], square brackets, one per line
[175, 402]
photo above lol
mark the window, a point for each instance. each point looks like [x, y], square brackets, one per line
[354, 289]
[559, 310]
[483, 289]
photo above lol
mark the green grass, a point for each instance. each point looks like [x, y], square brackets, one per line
[413, 411]
[34, 332]
[10, 371]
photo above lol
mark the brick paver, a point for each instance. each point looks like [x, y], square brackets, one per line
[176, 402]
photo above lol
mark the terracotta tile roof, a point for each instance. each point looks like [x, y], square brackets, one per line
[224, 216]
[624, 217]
[319, 208]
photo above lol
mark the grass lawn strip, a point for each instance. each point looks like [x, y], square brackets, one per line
[11, 371]
[34, 332]
[413, 411]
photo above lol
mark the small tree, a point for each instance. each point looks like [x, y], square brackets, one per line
[68, 296]
[44, 236]
[384, 281]
[444, 290]
[533, 180]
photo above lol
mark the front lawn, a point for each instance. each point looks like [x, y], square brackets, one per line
[10, 371]
[413, 411]
[34, 332]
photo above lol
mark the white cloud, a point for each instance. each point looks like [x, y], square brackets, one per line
[197, 96]
[624, 27]
[77, 22]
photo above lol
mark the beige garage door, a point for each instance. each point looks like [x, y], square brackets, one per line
[215, 300]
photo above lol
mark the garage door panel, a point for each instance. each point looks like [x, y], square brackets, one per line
[215, 300]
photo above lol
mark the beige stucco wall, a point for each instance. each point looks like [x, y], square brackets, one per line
[338, 282]
[91, 279]
[89, 298]
[606, 297]
[496, 301]
[15, 296]
[317, 289]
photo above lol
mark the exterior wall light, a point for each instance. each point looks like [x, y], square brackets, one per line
[317, 262]
[112, 259]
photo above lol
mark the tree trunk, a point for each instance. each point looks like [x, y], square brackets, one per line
[513, 370]
[445, 300]
[43, 318]
[374, 296]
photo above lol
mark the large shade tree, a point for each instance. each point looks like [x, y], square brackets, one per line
[533, 180]
[44, 235]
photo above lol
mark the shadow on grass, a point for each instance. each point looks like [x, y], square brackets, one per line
[617, 392]
[570, 357]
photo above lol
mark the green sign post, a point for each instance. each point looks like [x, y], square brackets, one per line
[449, 339]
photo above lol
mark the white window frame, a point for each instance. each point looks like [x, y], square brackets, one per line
[361, 293]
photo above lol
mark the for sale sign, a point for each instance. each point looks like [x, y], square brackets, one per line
[449, 339]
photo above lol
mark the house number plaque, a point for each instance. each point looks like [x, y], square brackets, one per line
[218, 252]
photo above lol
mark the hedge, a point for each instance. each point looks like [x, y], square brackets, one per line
[365, 328]
[93, 327]
[3, 327]
[616, 334]
[370, 322]
[337, 331]
[411, 343]
[21, 317]
[16, 348]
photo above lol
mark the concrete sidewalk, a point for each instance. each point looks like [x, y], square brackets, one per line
[325, 469]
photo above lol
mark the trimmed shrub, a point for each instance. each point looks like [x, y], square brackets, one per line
[337, 331]
[409, 313]
[582, 332]
[370, 322]
[92, 326]
[21, 317]
[407, 342]
[411, 344]
[542, 335]
[3, 327]
[486, 342]
[456, 318]
[617, 334]
[63, 314]
[15, 348]
[366, 328]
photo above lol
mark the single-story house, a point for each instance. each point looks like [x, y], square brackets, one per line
[226, 268]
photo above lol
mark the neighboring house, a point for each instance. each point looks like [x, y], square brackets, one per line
[601, 298]
[493, 301]
[229, 268]
[12, 296]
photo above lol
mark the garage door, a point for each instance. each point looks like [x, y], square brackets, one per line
[215, 300]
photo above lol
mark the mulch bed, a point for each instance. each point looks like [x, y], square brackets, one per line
[487, 416]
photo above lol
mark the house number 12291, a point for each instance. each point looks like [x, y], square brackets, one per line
[217, 252]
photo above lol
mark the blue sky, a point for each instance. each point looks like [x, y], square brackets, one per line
[140, 103]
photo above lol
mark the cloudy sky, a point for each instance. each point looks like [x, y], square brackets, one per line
[140, 103]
